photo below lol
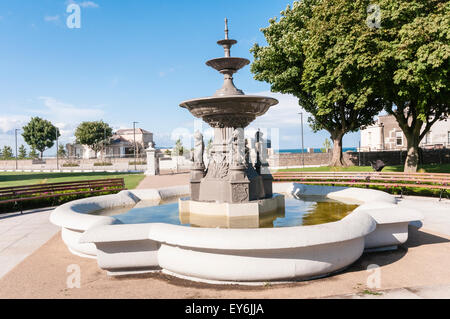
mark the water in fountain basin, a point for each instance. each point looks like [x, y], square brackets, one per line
[305, 211]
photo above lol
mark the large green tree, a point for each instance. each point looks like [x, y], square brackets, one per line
[93, 134]
[415, 36]
[40, 134]
[320, 52]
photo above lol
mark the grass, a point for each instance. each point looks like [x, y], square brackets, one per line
[432, 168]
[9, 179]
[370, 292]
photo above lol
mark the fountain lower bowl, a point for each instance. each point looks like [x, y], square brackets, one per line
[233, 255]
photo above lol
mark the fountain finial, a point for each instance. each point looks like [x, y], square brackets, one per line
[226, 29]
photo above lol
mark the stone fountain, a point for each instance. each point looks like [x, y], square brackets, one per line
[233, 185]
[231, 178]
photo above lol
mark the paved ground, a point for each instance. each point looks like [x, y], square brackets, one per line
[418, 269]
[21, 235]
[437, 213]
[167, 180]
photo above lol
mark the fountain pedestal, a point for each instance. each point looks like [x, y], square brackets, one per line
[230, 180]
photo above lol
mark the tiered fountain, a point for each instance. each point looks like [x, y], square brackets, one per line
[231, 180]
[233, 185]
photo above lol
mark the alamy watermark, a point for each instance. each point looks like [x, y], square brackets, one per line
[374, 279]
[74, 19]
[74, 279]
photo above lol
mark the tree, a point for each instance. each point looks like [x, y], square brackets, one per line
[61, 151]
[93, 134]
[40, 134]
[209, 146]
[7, 153]
[22, 152]
[415, 39]
[319, 52]
[33, 154]
[326, 146]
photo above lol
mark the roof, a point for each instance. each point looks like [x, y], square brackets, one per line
[130, 131]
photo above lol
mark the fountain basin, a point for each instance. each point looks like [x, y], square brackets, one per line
[235, 255]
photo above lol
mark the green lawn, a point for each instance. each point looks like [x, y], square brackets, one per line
[442, 168]
[18, 178]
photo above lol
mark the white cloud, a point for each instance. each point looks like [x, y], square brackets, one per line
[51, 18]
[88, 4]
[10, 122]
[284, 114]
[62, 111]
[166, 72]
[84, 4]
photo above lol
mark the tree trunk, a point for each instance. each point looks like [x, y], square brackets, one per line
[412, 157]
[337, 158]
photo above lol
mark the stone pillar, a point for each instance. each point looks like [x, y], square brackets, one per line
[152, 162]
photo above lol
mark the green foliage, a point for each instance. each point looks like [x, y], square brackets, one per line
[22, 152]
[7, 153]
[209, 146]
[326, 146]
[319, 51]
[179, 150]
[103, 164]
[93, 134]
[40, 134]
[415, 37]
[33, 154]
[61, 151]
[167, 152]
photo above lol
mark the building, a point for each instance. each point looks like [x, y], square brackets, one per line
[121, 144]
[386, 135]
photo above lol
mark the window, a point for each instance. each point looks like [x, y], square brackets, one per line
[399, 138]
[428, 138]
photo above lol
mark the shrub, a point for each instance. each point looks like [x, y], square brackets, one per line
[103, 164]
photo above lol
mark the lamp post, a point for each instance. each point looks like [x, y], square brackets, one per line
[303, 146]
[57, 149]
[134, 139]
[15, 133]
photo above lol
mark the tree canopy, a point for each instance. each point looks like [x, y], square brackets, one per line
[40, 134]
[415, 39]
[320, 52]
[93, 134]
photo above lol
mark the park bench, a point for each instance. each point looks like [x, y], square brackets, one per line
[439, 181]
[19, 194]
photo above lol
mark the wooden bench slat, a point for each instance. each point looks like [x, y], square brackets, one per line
[41, 191]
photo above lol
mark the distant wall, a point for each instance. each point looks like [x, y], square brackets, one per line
[438, 156]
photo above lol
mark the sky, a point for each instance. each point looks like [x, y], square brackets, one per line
[133, 60]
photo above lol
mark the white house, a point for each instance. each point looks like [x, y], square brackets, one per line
[385, 134]
[121, 144]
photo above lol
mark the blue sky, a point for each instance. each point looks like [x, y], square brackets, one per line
[131, 61]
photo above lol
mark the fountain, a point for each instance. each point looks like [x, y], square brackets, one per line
[201, 239]
[231, 185]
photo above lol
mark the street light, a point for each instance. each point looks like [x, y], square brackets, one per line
[57, 148]
[134, 138]
[303, 147]
[15, 133]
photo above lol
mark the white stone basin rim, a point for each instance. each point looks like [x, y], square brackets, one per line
[351, 227]
[75, 217]
[234, 255]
